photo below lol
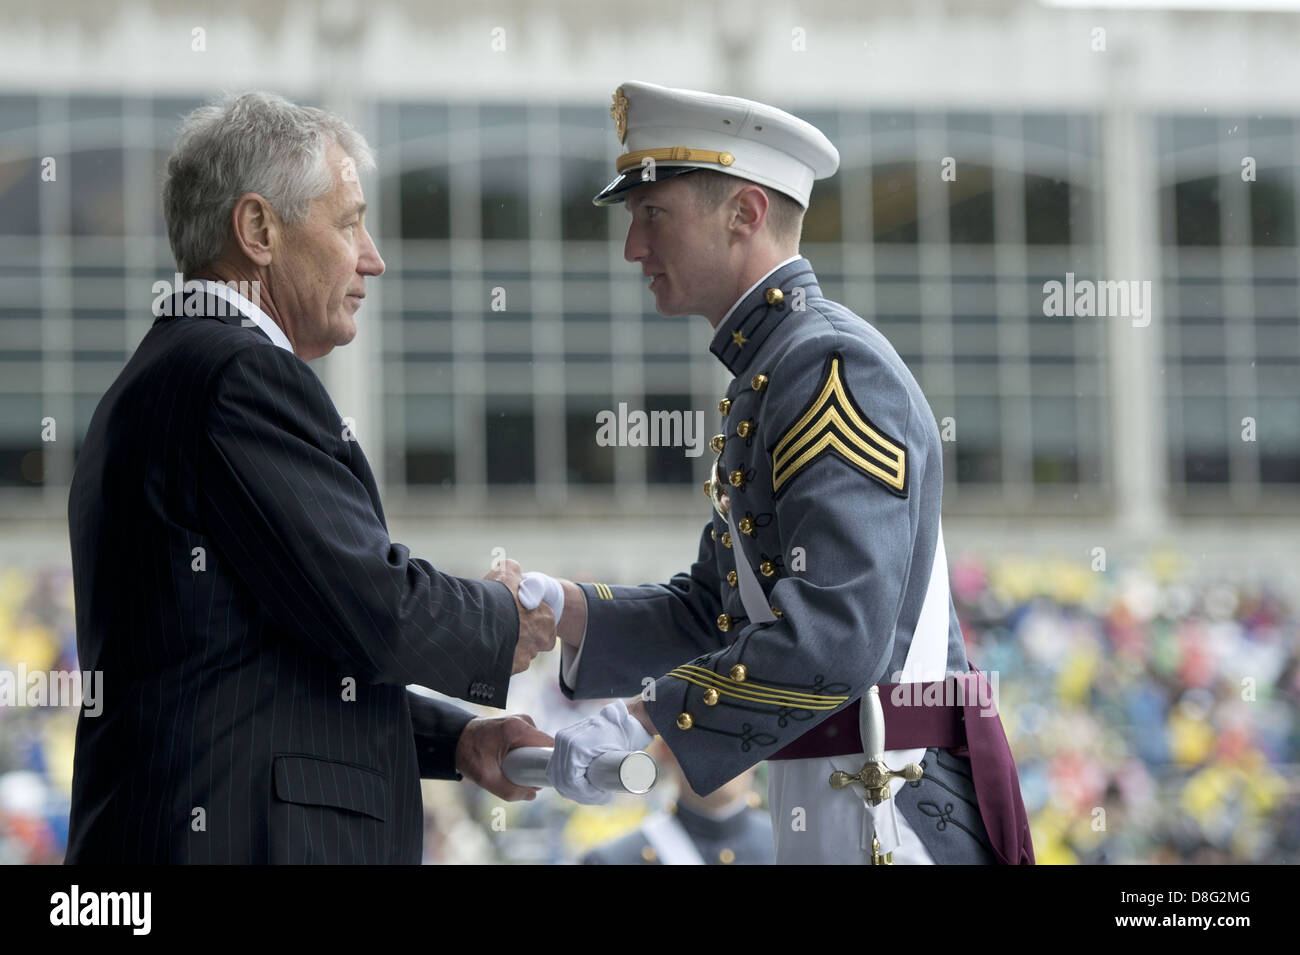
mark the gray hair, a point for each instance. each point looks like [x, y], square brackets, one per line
[254, 142]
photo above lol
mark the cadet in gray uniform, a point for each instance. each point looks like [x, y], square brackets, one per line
[821, 571]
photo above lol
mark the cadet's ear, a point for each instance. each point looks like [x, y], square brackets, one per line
[749, 211]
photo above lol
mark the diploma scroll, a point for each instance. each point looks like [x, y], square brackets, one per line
[616, 772]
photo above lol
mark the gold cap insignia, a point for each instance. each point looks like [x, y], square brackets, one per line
[619, 113]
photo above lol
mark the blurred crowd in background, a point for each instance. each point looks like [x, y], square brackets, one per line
[1152, 714]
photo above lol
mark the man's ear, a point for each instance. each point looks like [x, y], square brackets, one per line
[255, 228]
[749, 211]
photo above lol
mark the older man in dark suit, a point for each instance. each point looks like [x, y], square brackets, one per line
[255, 625]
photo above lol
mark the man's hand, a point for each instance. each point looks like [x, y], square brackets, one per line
[536, 627]
[577, 746]
[484, 743]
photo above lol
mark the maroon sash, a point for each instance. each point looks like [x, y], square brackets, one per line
[964, 728]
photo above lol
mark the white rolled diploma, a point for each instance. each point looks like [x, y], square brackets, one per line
[615, 772]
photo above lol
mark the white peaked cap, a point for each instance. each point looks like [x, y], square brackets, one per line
[683, 130]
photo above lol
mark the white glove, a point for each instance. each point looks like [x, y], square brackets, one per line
[536, 588]
[576, 746]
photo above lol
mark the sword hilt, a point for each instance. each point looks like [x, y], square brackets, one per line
[875, 778]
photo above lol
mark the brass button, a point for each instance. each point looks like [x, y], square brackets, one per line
[759, 382]
[731, 577]
[774, 296]
[737, 478]
[726, 538]
[713, 533]
[724, 622]
[767, 568]
[726, 857]
[738, 673]
[747, 526]
[717, 443]
[684, 721]
[649, 855]
[710, 697]
[724, 405]
[745, 429]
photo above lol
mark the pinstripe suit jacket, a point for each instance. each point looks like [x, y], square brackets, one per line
[254, 624]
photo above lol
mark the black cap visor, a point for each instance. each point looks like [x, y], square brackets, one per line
[617, 190]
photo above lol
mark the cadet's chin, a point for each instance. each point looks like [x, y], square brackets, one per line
[669, 309]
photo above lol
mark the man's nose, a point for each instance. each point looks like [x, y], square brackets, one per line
[634, 249]
[370, 263]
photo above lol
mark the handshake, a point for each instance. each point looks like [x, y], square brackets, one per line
[549, 608]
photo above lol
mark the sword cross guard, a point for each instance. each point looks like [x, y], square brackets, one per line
[875, 776]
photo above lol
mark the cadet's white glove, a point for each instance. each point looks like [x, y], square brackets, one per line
[536, 588]
[612, 729]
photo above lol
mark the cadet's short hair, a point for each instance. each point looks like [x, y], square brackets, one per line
[784, 215]
[255, 142]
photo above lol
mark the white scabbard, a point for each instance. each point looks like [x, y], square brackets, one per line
[615, 772]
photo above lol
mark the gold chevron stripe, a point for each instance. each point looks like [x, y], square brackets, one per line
[831, 418]
[787, 459]
[754, 690]
[832, 440]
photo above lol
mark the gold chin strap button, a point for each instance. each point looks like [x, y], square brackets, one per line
[726, 857]
[685, 721]
[732, 578]
[719, 440]
[737, 478]
[738, 673]
[747, 526]
[725, 159]
[774, 296]
[766, 568]
[724, 622]
[726, 539]
[724, 406]
[710, 697]
[745, 429]
[758, 382]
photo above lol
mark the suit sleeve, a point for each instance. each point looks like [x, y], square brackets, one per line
[635, 633]
[437, 726]
[838, 608]
[291, 521]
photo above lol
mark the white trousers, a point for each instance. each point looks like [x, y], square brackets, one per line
[813, 824]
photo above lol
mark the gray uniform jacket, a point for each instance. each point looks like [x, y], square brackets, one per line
[832, 467]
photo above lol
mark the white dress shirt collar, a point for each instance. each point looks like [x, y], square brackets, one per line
[249, 310]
